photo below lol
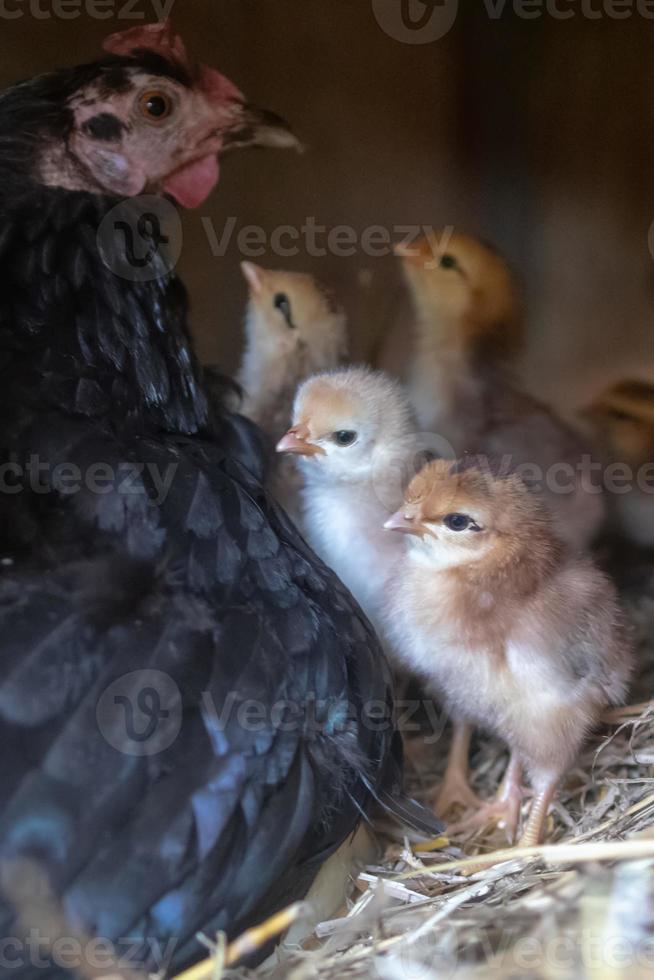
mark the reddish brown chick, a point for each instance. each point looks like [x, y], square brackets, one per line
[516, 636]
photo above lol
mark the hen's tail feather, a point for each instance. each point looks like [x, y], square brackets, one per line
[411, 813]
[391, 797]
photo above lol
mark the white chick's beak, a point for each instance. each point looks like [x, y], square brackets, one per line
[296, 441]
[404, 522]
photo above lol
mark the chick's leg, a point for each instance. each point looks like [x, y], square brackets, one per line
[544, 790]
[455, 789]
[509, 797]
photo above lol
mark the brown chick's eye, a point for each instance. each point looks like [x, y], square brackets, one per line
[448, 262]
[344, 437]
[156, 106]
[459, 522]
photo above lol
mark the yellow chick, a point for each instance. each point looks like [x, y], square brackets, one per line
[515, 634]
[468, 324]
[622, 419]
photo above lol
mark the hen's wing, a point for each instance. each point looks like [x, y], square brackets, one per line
[184, 694]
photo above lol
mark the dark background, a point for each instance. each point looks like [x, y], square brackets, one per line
[536, 133]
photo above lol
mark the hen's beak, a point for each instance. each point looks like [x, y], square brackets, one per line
[260, 127]
[404, 522]
[296, 441]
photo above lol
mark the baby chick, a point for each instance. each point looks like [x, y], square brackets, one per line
[518, 636]
[468, 327]
[292, 330]
[353, 432]
[623, 421]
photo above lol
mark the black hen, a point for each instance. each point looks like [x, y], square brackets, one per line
[189, 701]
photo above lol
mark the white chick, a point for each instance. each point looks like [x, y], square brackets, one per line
[468, 327]
[516, 635]
[292, 329]
[354, 435]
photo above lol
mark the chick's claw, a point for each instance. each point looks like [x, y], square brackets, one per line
[502, 813]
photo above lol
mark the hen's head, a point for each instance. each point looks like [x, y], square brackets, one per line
[144, 119]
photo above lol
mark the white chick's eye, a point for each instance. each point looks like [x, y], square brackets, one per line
[344, 437]
[460, 522]
[282, 303]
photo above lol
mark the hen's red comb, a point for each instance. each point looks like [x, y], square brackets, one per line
[159, 38]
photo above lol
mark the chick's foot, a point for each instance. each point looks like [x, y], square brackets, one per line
[455, 793]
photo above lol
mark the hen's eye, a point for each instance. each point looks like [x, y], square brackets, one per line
[282, 303]
[448, 262]
[457, 522]
[344, 437]
[156, 106]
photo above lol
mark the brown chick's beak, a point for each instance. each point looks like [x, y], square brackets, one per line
[259, 127]
[405, 523]
[296, 441]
